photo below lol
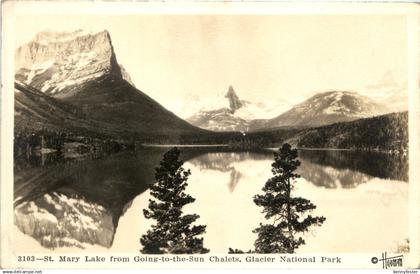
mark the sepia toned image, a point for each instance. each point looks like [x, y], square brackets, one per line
[212, 133]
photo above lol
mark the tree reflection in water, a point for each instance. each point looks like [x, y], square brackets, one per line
[107, 185]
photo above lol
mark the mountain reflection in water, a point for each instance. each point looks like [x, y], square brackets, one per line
[79, 202]
[324, 168]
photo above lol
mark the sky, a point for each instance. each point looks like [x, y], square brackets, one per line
[282, 59]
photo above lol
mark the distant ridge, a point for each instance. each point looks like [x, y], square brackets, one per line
[320, 109]
[323, 109]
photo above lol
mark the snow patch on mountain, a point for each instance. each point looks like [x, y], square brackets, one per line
[57, 220]
[327, 108]
[261, 110]
[226, 112]
[337, 107]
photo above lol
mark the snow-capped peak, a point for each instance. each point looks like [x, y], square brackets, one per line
[327, 108]
[58, 62]
[229, 113]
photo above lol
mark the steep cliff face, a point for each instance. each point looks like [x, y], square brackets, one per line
[81, 69]
[58, 63]
[234, 102]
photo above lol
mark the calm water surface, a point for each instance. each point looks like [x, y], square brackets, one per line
[73, 203]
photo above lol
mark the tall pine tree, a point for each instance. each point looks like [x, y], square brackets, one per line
[289, 215]
[173, 232]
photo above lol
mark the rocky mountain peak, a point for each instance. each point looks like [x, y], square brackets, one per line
[234, 102]
[344, 102]
[49, 36]
[56, 62]
[327, 108]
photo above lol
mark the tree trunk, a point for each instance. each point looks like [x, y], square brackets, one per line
[289, 218]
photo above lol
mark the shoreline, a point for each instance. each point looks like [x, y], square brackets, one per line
[270, 148]
[178, 145]
[315, 148]
[326, 148]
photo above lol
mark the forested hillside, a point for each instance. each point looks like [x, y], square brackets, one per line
[387, 133]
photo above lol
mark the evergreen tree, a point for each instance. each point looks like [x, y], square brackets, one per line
[173, 232]
[289, 214]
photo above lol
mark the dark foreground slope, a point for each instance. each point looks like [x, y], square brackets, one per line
[111, 109]
[35, 111]
[115, 101]
[106, 106]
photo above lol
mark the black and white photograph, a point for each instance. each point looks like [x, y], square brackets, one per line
[225, 133]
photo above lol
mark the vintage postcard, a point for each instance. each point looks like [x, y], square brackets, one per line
[210, 135]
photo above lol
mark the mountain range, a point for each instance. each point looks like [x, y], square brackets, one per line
[321, 109]
[72, 81]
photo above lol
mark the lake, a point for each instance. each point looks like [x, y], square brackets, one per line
[95, 203]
